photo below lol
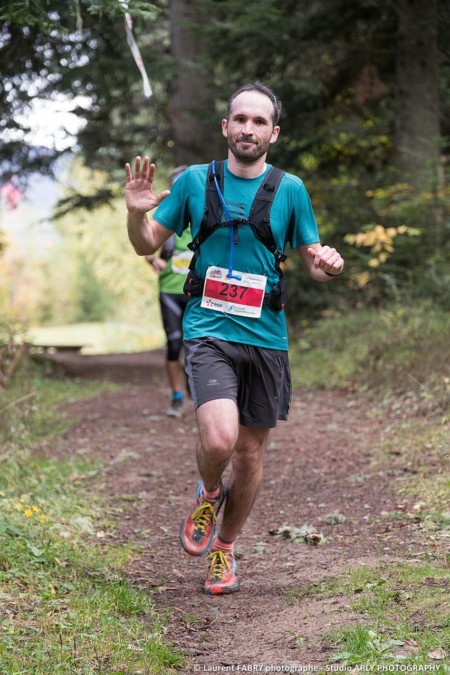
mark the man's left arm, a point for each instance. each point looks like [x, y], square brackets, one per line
[322, 263]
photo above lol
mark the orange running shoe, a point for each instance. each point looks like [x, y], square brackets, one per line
[198, 528]
[222, 574]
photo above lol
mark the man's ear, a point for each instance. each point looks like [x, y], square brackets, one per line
[225, 128]
[275, 132]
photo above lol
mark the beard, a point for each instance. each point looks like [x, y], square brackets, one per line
[249, 154]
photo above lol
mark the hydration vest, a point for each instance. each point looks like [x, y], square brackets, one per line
[259, 221]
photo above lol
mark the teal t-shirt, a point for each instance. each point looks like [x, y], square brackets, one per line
[171, 280]
[292, 221]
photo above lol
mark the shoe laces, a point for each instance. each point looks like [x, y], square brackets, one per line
[203, 515]
[219, 564]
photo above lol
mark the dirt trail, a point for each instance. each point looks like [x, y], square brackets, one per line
[319, 469]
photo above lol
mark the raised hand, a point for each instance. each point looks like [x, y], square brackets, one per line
[139, 193]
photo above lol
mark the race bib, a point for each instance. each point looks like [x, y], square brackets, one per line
[241, 297]
[180, 262]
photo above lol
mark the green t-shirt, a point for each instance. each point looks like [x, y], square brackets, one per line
[171, 280]
[292, 221]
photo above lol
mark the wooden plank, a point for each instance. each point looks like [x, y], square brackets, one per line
[57, 348]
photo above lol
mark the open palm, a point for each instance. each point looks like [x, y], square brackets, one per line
[139, 192]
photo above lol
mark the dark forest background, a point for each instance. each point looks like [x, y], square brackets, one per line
[365, 123]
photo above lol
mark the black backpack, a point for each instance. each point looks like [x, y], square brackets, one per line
[259, 221]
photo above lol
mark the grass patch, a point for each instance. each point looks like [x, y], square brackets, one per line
[391, 350]
[406, 616]
[403, 607]
[30, 406]
[422, 452]
[295, 594]
[65, 602]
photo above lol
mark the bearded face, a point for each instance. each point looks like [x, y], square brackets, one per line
[247, 148]
[249, 129]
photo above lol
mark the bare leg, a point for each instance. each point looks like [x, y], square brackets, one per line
[245, 480]
[219, 429]
[222, 437]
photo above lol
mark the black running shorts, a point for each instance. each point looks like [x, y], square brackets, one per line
[257, 379]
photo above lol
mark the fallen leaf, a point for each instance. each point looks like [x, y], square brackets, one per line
[133, 648]
[123, 455]
[408, 647]
[438, 653]
[306, 534]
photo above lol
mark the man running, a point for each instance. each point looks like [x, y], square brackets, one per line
[234, 326]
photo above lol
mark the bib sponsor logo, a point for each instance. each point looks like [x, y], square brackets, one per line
[214, 273]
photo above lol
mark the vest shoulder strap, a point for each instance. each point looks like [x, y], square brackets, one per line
[259, 221]
[212, 214]
[259, 218]
[213, 208]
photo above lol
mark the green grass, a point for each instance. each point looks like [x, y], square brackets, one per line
[29, 406]
[66, 605]
[399, 358]
[400, 350]
[406, 615]
[423, 447]
[400, 615]
[405, 607]
[401, 610]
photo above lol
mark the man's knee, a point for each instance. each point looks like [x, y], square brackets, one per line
[218, 426]
[249, 460]
[249, 450]
[218, 442]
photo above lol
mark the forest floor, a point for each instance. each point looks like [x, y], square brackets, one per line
[323, 468]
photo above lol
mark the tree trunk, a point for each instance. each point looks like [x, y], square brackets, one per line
[192, 103]
[417, 95]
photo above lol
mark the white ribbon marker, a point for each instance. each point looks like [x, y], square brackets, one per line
[135, 49]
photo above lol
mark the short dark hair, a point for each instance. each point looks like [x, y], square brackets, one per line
[262, 89]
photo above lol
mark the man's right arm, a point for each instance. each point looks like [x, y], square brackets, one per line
[146, 235]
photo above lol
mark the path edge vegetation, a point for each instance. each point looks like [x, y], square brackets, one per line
[398, 358]
[66, 602]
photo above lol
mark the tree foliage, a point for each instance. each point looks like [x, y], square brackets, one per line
[103, 280]
[77, 52]
[334, 64]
